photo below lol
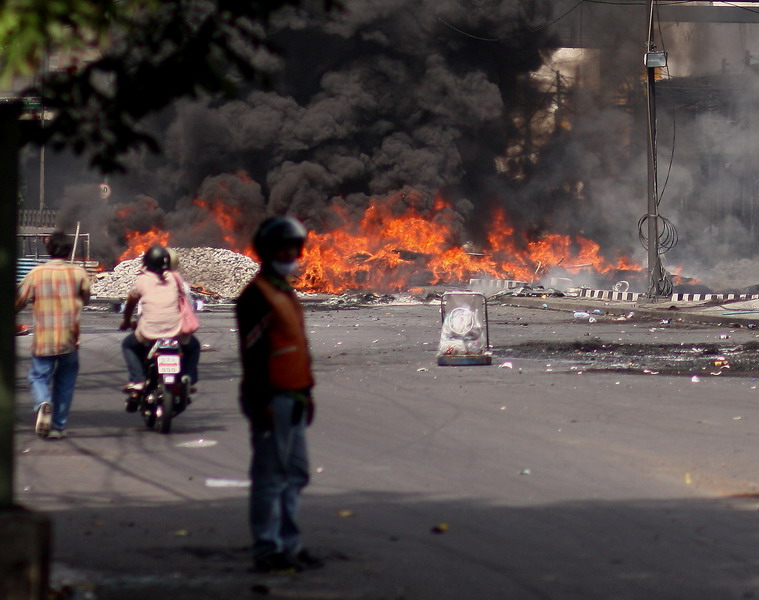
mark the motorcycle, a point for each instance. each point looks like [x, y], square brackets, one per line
[166, 392]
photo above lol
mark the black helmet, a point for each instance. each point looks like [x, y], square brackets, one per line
[276, 232]
[156, 259]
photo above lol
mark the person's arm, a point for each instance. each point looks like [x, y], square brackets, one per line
[84, 291]
[131, 304]
[253, 315]
[24, 293]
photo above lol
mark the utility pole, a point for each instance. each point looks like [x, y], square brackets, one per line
[652, 60]
[25, 559]
[45, 69]
[9, 145]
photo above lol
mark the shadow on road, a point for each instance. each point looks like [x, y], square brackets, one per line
[384, 546]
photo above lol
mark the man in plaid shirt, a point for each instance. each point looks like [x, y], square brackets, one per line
[58, 290]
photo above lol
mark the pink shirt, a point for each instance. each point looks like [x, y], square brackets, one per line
[160, 305]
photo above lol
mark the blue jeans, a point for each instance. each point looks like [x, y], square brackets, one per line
[279, 471]
[52, 379]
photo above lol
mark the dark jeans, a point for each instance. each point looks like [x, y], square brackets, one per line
[135, 354]
[278, 472]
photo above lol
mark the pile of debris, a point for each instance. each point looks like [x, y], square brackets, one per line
[212, 272]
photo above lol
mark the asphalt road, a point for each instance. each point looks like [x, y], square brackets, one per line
[562, 477]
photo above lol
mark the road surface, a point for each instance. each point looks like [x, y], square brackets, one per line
[561, 477]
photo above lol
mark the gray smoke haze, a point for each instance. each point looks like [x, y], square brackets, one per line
[438, 97]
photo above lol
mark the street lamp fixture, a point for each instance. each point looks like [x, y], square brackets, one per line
[655, 59]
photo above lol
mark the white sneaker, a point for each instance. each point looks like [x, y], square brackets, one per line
[44, 419]
[56, 434]
[134, 387]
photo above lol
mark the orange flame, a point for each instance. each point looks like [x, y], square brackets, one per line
[224, 216]
[398, 244]
[138, 242]
[385, 251]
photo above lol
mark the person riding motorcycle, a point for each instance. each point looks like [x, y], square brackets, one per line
[157, 288]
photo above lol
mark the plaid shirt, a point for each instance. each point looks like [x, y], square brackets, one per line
[58, 290]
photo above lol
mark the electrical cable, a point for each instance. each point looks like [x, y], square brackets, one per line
[636, 2]
[668, 236]
[515, 35]
[674, 123]
[746, 8]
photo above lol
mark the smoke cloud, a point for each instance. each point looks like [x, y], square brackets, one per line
[462, 98]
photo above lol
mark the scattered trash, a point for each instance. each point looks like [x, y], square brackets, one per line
[228, 483]
[650, 372]
[666, 321]
[201, 443]
[525, 472]
[737, 418]
[506, 365]
[422, 370]
[544, 305]
[319, 469]
[695, 379]
[592, 319]
[724, 336]
[581, 314]
[598, 311]
[440, 528]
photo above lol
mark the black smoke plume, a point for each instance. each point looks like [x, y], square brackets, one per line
[441, 97]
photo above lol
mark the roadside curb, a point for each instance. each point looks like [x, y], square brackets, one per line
[706, 313]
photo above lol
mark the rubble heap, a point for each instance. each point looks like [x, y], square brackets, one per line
[214, 271]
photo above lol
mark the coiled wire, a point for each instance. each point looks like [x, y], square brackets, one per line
[662, 284]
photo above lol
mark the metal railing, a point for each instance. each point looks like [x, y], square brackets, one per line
[44, 218]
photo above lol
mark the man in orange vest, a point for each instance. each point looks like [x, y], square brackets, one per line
[275, 395]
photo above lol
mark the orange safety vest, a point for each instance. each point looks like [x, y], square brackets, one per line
[289, 359]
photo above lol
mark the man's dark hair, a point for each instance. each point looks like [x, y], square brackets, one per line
[59, 245]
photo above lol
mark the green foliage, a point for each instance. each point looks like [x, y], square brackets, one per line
[150, 53]
[28, 28]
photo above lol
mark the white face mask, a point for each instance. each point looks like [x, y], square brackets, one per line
[284, 269]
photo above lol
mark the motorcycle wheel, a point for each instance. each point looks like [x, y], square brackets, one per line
[148, 412]
[165, 409]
